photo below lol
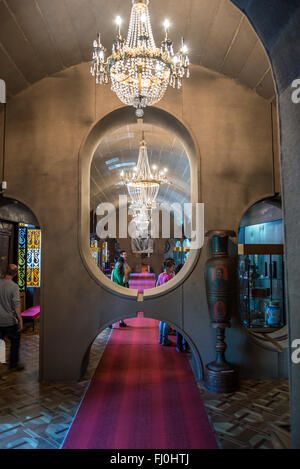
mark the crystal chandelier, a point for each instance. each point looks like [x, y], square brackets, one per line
[141, 219]
[143, 183]
[139, 71]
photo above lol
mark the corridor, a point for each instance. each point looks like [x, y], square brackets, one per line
[142, 396]
[37, 415]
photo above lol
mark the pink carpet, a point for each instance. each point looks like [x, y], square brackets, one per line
[142, 396]
[142, 282]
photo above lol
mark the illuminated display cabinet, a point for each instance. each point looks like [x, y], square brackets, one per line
[261, 266]
[261, 281]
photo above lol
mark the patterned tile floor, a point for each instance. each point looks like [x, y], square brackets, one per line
[37, 415]
[254, 417]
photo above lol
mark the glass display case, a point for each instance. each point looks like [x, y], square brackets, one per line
[261, 283]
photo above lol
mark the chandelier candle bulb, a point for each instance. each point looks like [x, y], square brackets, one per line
[119, 23]
[167, 26]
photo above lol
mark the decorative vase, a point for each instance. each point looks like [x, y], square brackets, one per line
[220, 277]
[273, 314]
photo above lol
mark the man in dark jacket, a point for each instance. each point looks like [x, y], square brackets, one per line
[11, 323]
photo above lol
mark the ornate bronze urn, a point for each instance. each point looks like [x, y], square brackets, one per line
[220, 277]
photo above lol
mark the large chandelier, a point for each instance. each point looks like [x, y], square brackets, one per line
[139, 71]
[143, 183]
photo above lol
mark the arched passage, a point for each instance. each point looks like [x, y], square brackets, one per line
[111, 122]
[21, 245]
[197, 364]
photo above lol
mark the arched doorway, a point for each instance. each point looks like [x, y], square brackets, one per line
[97, 346]
[111, 123]
[21, 245]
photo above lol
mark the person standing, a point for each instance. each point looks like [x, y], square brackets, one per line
[182, 344]
[119, 277]
[11, 322]
[163, 278]
[127, 269]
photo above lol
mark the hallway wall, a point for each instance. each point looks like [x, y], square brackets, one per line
[278, 29]
[47, 124]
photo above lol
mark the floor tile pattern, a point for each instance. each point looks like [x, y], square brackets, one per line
[36, 415]
[256, 416]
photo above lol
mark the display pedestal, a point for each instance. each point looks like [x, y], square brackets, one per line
[221, 381]
[220, 376]
[220, 275]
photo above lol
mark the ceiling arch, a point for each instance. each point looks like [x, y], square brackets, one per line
[119, 150]
[40, 37]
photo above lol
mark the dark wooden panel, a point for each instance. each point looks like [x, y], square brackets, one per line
[13, 211]
[4, 252]
[6, 228]
[6, 245]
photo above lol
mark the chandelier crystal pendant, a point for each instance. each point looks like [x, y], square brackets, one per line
[142, 183]
[141, 219]
[139, 71]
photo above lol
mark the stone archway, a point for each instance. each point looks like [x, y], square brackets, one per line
[152, 297]
[197, 363]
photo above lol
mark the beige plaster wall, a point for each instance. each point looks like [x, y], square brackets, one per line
[47, 124]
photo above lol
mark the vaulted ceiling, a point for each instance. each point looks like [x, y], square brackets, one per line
[119, 150]
[41, 37]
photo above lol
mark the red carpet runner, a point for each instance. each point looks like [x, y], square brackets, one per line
[142, 396]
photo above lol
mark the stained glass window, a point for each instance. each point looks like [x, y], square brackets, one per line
[29, 257]
[22, 259]
[33, 258]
